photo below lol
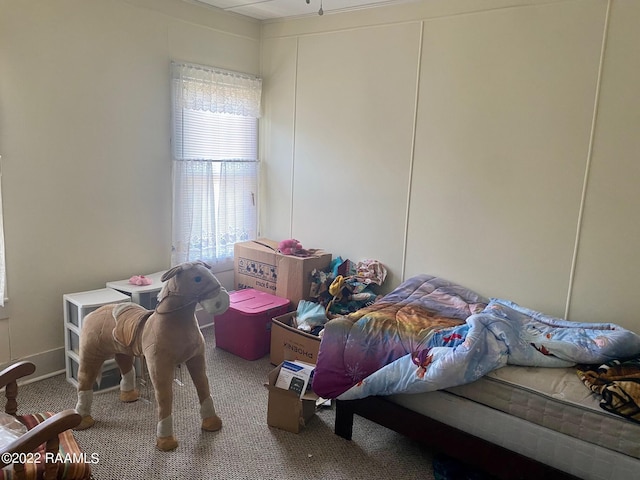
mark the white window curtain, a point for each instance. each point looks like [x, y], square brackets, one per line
[215, 162]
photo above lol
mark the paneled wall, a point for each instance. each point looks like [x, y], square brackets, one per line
[489, 144]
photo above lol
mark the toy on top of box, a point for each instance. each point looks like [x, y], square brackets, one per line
[259, 265]
[245, 328]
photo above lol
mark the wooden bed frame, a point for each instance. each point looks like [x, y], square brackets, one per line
[473, 451]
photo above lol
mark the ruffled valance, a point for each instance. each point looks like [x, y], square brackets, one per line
[218, 91]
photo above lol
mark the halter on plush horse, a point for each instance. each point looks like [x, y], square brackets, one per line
[166, 337]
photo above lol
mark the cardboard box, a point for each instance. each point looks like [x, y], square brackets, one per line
[258, 265]
[287, 342]
[286, 409]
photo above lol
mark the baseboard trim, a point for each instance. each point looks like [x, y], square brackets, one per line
[48, 364]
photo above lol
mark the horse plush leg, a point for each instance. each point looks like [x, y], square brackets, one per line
[85, 400]
[197, 369]
[128, 391]
[210, 421]
[95, 349]
[88, 372]
[165, 440]
[162, 379]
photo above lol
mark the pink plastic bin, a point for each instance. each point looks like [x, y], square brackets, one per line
[245, 328]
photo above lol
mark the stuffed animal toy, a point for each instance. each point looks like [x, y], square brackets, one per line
[166, 337]
[289, 247]
[294, 247]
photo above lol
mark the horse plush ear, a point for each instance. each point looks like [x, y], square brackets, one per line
[172, 272]
[205, 264]
[164, 292]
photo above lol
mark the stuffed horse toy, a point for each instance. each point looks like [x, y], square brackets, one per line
[166, 337]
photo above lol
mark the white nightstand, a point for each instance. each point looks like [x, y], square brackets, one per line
[77, 306]
[144, 295]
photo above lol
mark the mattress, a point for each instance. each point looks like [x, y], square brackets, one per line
[544, 413]
[554, 398]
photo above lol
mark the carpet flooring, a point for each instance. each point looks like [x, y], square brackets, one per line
[123, 437]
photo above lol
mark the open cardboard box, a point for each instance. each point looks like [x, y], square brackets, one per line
[290, 343]
[258, 265]
[287, 410]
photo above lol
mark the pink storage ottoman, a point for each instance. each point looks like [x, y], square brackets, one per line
[245, 328]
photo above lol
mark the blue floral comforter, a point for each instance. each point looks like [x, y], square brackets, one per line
[430, 334]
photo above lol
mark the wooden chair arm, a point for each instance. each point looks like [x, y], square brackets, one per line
[43, 433]
[9, 378]
[16, 371]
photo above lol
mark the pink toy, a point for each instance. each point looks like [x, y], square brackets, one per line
[140, 280]
[290, 247]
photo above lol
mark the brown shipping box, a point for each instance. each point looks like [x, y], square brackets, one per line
[286, 409]
[258, 265]
[289, 343]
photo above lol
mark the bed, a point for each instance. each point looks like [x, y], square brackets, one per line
[501, 387]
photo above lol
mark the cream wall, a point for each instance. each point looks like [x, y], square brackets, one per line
[492, 143]
[84, 139]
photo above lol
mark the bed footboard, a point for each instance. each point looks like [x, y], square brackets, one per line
[469, 449]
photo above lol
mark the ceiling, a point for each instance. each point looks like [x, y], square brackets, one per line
[273, 9]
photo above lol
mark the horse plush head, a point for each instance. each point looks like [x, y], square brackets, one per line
[190, 283]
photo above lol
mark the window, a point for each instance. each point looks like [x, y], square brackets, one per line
[215, 162]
